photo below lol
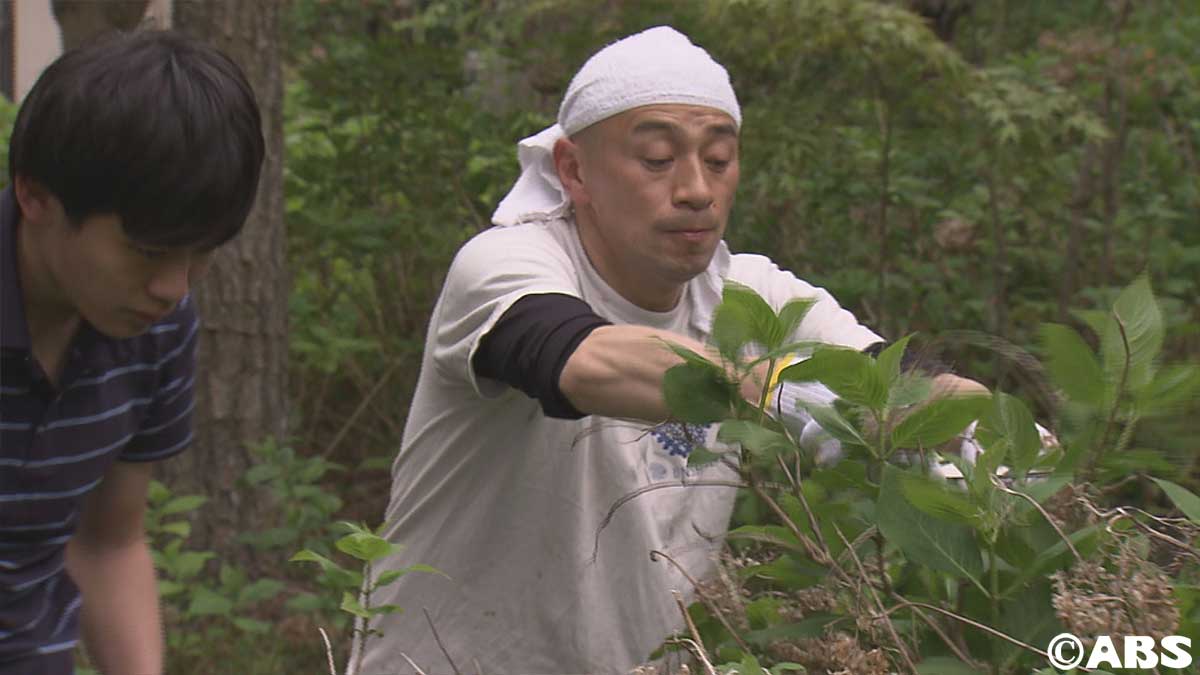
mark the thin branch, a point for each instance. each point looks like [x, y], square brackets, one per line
[362, 405]
[954, 647]
[625, 499]
[695, 644]
[438, 638]
[907, 604]
[900, 645]
[328, 651]
[716, 611]
[1112, 414]
[1066, 540]
[411, 663]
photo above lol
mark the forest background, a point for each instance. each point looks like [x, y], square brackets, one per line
[966, 171]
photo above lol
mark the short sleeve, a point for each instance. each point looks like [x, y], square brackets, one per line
[489, 274]
[167, 427]
[826, 321]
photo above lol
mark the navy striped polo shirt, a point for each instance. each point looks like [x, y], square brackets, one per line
[118, 400]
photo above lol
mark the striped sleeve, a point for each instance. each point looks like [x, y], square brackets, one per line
[167, 427]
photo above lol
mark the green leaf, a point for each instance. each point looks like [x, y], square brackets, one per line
[262, 589]
[385, 609]
[305, 602]
[421, 567]
[205, 602]
[1187, 501]
[753, 437]
[938, 421]
[749, 666]
[183, 504]
[743, 318]
[838, 426]
[338, 575]
[353, 606]
[1138, 312]
[365, 546]
[179, 528]
[909, 389]
[888, 362]
[702, 456]
[1008, 429]
[1072, 365]
[850, 374]
[937, 499]
[157, 493]
[923, 539]
[253, 626]
[812, 626]
[261, 473]
[698, 395]
[792, 314]
[1172, 388]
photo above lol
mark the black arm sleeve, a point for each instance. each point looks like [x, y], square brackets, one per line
[913, 360]
[530, 344]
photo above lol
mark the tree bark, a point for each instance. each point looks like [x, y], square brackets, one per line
[241, 379]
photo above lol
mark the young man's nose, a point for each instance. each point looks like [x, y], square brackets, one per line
[171, 280]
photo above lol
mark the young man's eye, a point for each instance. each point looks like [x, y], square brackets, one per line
[150, 253]
[657, 163]
[718, 164]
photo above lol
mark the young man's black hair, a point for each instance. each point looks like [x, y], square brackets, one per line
[172, 131]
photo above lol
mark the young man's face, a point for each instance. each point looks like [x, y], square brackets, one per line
[115, 284]
[654, 190]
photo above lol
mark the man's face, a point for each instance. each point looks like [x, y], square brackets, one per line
[652, 197]
[114, 283]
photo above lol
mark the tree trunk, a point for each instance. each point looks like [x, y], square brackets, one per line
[242, 361]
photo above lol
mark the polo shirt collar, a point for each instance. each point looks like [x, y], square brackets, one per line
[14, 332]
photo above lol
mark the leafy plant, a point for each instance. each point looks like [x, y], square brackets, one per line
[356, 585]
[917, 572]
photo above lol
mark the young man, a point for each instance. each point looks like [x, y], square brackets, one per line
[131, 161]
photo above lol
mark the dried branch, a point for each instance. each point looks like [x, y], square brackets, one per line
[695, 645]
[438, 639]
[716, 611]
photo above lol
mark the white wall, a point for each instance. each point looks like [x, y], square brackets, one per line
[36, 42]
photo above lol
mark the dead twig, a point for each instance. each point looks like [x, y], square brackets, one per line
[413, 664]
[328, 650]
[695, 645]
[716, 611]
[625, 499]
[900, 645]
[438, 639]
[1007, 490]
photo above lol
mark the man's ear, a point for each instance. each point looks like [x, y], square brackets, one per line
[568, 164]
[38, 204]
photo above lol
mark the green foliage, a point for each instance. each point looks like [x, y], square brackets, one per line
[293, 481]
[353, 587]
[982, 541]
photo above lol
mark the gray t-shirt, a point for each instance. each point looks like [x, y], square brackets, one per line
[509, 502]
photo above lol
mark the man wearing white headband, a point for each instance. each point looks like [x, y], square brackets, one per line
[543, 370]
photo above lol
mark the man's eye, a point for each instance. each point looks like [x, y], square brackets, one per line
[657, 163]
[718, 164]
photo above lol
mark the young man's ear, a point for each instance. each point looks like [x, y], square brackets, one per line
[570, 170]
[38, 204]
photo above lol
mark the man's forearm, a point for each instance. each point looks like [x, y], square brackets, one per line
[122, 627]
[617, 371]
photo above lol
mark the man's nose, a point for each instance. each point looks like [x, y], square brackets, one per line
[692, 189]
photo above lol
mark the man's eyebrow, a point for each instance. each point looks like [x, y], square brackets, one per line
[653, 125]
